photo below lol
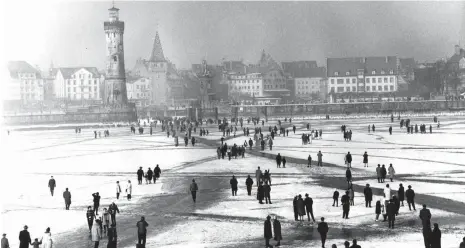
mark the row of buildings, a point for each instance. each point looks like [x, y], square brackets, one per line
[156, 81]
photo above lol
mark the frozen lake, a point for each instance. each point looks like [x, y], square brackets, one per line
[432, 163]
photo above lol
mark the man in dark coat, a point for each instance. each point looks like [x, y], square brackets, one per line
[354, 242]
[268, 231]
[260, 193]
[140, 174]
[368, 195]
[348, 176]
[349, 160]
[24, 238]
[401, 194]
[390, 130]
[296, 212]
[113, 209]
[249, 184]
[383, 173]
[345, 201]
[336, 198]
[52, 184]
[233, 183]
[149, 175]
[157, 173]
[323, 230]
[67, 197]
[266, 191]
[112, 236]
[410, 195]
[435, 237]
[391, 213]
[142, 231]
[309, 206]
[90, 217]
[425, 216]
[278, 160]
[96, 202]
[277, 231]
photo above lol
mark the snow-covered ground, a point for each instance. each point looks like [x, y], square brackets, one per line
[432, 163]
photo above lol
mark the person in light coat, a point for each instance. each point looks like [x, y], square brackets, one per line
[392, 172]
[96, 234]
[118, 189]
[46, 240]
[129, 189]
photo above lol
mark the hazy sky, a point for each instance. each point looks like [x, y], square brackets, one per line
[71, 34]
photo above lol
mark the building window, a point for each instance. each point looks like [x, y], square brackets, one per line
[382, 72]
[385, 88]
[379, 80]
[391, 79]
[347, 73]
[347, 81]
[391, 72]
[354, 88]
[391, 88]
[368, 88]
[373, 88]
[367, 80]
[332, 89]
[347, 89]
[353, 80]
[380, 88]
[385, 80]
[373, 72]
[336, 73]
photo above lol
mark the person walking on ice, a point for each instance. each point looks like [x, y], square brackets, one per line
[129, 190]
[193, 189]
[392, 172]
[320, 159]
[365, 159]
[52, 184]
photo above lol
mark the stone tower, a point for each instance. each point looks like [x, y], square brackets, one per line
[115, 81]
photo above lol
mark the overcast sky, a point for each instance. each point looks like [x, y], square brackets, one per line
[71, 34]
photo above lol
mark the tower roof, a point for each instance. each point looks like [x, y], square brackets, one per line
[157, 50]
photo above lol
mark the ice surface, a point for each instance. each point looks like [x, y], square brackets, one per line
[431, 163]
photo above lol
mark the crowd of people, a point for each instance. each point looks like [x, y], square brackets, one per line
[388, 205]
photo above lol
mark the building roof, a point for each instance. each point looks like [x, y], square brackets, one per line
[318, 72]
[68, 71]
[296, 65]
[234, 66]
[157, 50]
[407, 63]
[368, 64]
[16, 67]
[267, 63]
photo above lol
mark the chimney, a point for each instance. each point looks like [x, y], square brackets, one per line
[457, 50]
[387, 59]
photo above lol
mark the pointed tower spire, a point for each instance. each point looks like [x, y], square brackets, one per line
[157, 50]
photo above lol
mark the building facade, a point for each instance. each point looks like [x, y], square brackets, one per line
[25, 82]
[249, 84]
[455, 73]
[362, 75]
[78, 83]
[166, 84]
[139, 91]
[265, 80]
[115, 80]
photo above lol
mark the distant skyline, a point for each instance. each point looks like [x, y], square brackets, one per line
[71, 34]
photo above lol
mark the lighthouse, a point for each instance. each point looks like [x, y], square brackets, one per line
[115, 81]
